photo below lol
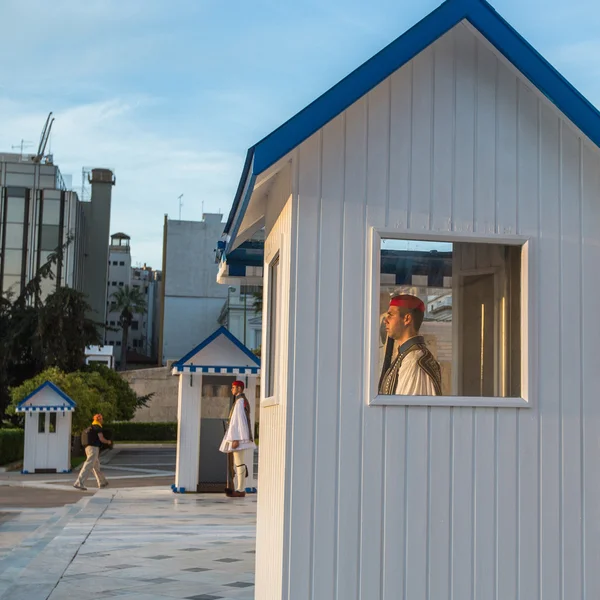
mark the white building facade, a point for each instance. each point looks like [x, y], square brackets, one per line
[141, 336]
[192, 300]
[458, 134]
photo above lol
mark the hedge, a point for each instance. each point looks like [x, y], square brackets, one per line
[11, 445]
[142, 432]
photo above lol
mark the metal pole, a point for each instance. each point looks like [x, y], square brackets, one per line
[245, 295]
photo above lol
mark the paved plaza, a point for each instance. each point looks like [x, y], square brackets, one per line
[139, 543]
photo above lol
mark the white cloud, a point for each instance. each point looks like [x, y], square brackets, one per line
[151, 170]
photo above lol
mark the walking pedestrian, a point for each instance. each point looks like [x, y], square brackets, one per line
[92, 452]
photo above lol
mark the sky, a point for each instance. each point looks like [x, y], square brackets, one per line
[171, 93]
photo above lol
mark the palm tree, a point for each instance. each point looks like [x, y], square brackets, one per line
[128, 301]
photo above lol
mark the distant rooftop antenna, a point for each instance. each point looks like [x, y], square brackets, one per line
[24, 144]
[180, 204]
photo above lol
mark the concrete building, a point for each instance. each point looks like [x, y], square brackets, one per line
[119, 276]
[144, 335]
[141, 337]
[38, 214]
[97, 214]
[239, 314]
[192, 300]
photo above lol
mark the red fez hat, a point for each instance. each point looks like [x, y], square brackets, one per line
[407, 301]
[238, 384]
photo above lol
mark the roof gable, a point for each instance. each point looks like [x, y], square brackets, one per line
[221, 351]
[371, 73]
[46, 397]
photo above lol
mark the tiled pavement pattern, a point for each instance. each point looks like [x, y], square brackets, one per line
[138, 544]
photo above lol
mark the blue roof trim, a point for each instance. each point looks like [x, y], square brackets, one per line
[216, 369]
[52, 387]
[484, 18]
[221, 331]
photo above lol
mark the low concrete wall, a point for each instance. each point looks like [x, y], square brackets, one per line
[162, 407]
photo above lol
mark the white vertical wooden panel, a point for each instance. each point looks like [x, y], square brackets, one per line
[189, 409]
[462, 551]
[506, 475]
[302, 459]
[528, 212]
[419, 218]
[400, 146]
[421, 140]
[484, 509]
[327, 359]
[506, 152]
[461, 554]
[464, 145]
[443, 133]
[590, 407]
[485, 140]
[271, 508]
[439, 486]
[439, 421]
[570, 377]
[394, 506]
[378, 152]
[549, 356]
[352, 356]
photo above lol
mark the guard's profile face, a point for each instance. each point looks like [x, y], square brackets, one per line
[395, 323]
[236, 390]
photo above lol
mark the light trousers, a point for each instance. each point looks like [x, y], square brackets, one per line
[240, 471]
[91, 464]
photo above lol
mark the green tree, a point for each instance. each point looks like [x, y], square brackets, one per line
[257, 303]
[65, 330]
[129, 302]
[87, 390]
[36, 333]
[126, 400]
[95, 389]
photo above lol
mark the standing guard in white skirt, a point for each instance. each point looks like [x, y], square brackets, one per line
[238, 437]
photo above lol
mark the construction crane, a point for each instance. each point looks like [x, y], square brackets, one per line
[44, 139]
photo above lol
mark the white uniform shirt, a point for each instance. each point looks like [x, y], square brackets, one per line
[237, 430]
[412, 379]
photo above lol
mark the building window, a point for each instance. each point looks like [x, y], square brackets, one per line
[115, 263]
[134, 325]
[121, 264]
[118, 343]
[112, 323]
[250, 289]
[15, 205]
[14, 236]
[50, 237]
[448, 320]
[135, 343]
[272, 337]
[51, 212]
[121, 284]
[42, 422]
[52, 427]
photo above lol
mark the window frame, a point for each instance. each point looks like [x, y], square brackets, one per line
[275, 255]
[527, 324]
